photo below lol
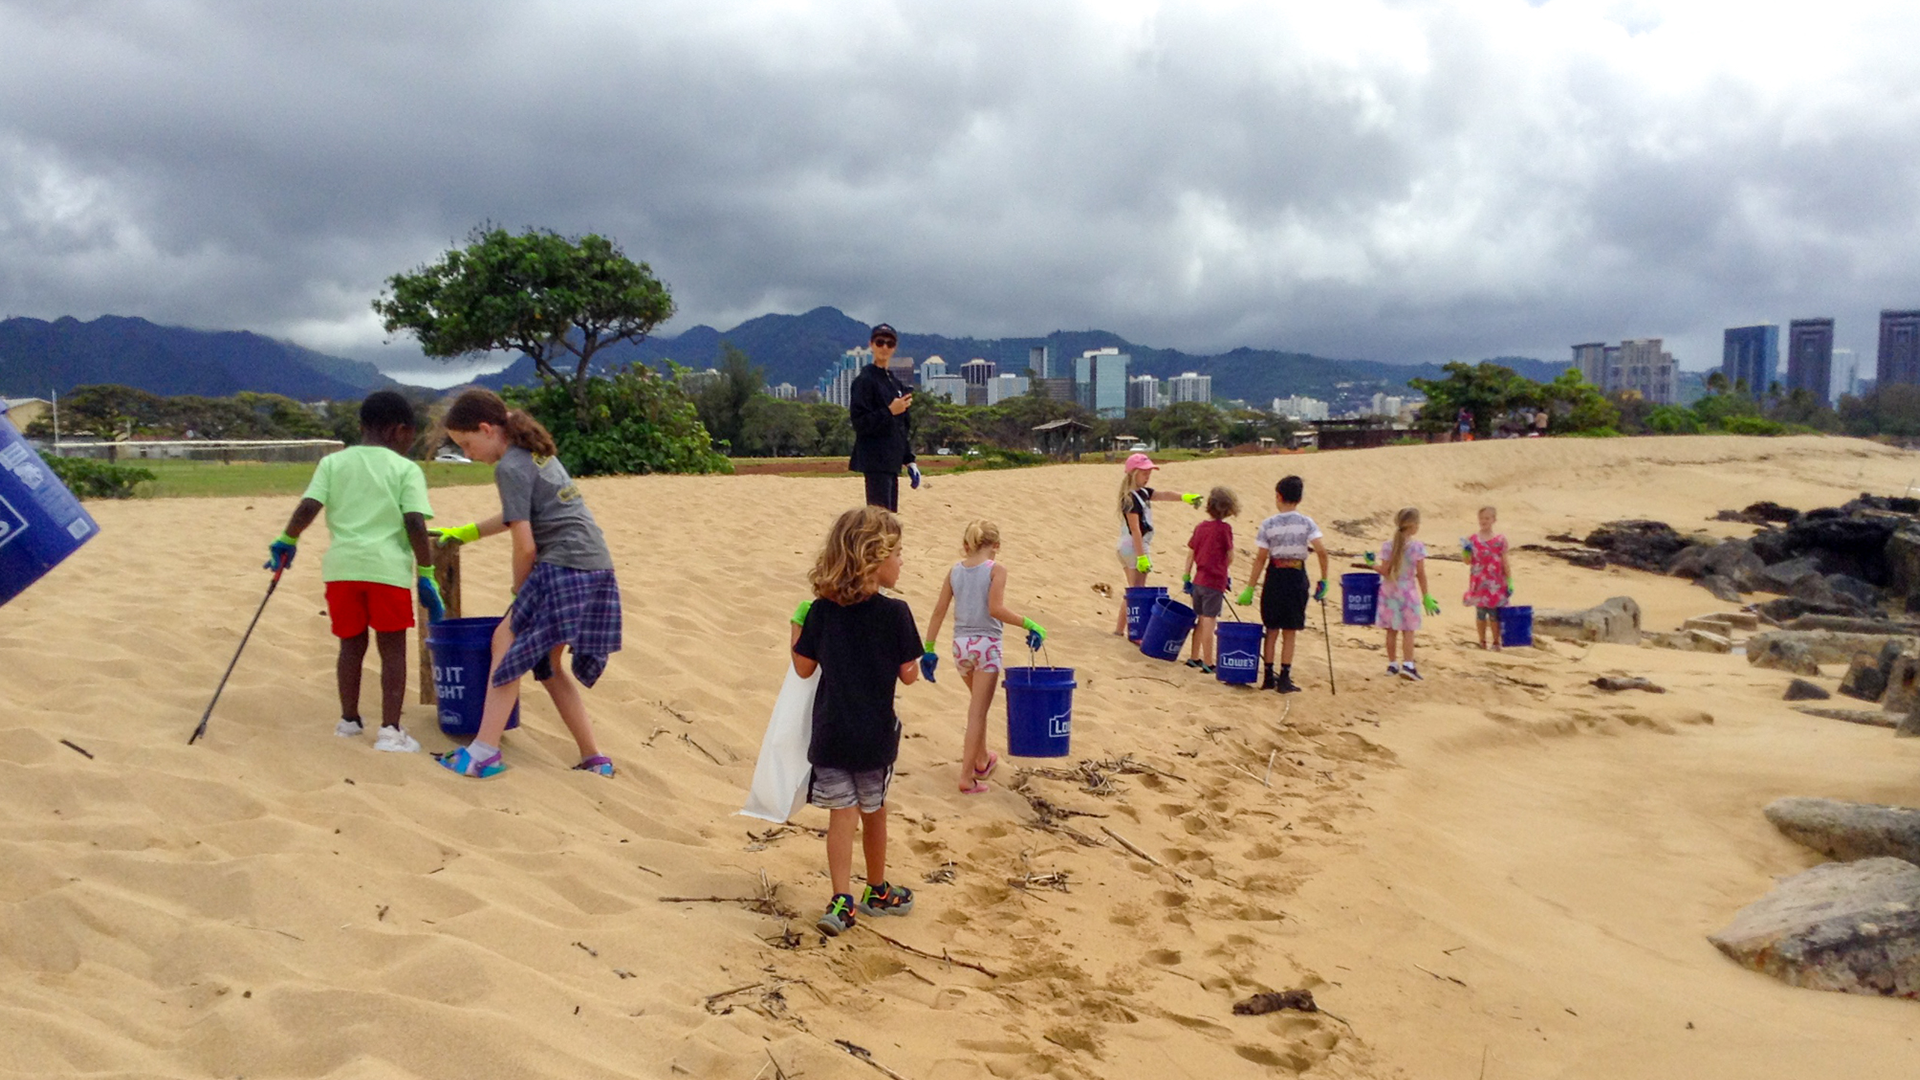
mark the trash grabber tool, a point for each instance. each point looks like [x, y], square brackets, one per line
[204, 717]
[1326, 631]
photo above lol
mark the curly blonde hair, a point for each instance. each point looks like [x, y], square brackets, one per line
[1221, 503]
[846, 570]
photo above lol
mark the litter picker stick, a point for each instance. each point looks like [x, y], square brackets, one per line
[204, 717]
[1326, 631]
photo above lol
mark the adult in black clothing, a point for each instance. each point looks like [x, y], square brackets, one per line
[882, 434]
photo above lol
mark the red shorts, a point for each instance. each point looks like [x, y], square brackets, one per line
[357, 605]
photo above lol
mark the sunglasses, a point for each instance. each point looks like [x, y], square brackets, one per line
[887, 341]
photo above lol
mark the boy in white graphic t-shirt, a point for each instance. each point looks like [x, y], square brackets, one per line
[1282, 543]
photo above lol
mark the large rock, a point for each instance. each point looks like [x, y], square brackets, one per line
[1903, 559]
[1782, 654]
[1802, 690]
[1782, 576]
[1849, 927]
[1617, 621]
[1854, 546]
[1827, 646]
[1644, 545]
[1854, 624]
[1848, 830]
[1834, 592]
[1691, 562]
[1864, 679]
[1735, 561]
[1903, 685]
[1772, 545]
[1721, 588]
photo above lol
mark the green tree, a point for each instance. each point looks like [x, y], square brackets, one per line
[1486, 389]
[1575, 406]
[1717, 382]
[1893, 409]
[772, 427]
[722, 398]
[637, 422]
[557, 299]
[1188, 423]
[1673, 420]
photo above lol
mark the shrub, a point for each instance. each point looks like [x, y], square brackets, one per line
[640, 423]
[1753, 425]
[90, 479]
[1673, 420]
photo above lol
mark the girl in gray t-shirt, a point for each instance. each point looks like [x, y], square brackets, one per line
[976, 590]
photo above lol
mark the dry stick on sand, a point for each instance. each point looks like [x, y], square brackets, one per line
[943, 957]
[77, 748]
[1437, 975]
[1130, 846]
[1267, 780]
[688, 739]
[866, 1055]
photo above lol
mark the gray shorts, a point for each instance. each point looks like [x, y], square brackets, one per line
[1486, 614]
[1207, 601]
[836, 789]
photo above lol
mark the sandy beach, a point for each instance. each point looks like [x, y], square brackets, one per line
[1501, 872]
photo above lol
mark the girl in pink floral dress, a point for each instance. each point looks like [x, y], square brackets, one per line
[1403, 592]
[1489, 576]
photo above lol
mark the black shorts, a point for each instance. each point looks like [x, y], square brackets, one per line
[1283, 602]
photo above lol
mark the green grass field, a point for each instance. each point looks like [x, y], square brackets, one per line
[188, 479]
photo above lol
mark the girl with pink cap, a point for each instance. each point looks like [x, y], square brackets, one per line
[1136, 524]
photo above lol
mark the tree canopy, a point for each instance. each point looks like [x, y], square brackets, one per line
[557, 299]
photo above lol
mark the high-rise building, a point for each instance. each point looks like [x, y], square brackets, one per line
[902, 369]
[1188, 386]
[1056, 388]
[1846, 373]
[1002, 387]
[932, 368]
[1143, 392]
[1591, 361]
[837, 387]
[1100, 381]
[1751, 355]
[1300, 408]
[977, 371]
[1810, 356]
[1039, 362]
[1386, 405]
[950, 387]
[1638, 364]
[1899, 348]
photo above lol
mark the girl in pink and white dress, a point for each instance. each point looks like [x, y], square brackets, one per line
[1489, 576]
[976, 589]
[1403, 592]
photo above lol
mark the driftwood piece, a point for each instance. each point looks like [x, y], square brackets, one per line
[1132, 847]
[942, 956]
[866, 1055]
[1625, 682]
[1261, 1004]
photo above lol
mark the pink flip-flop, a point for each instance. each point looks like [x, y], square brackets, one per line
[978, 787]
[993, 762]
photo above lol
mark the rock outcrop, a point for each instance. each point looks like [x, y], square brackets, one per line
[1617, 621]
[1826, 646]
[1848, 927]
[1802, 690]
[1848, 830]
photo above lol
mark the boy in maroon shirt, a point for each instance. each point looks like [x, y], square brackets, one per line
[1209, 551]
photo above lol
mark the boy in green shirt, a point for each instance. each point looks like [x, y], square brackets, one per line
[376, 504]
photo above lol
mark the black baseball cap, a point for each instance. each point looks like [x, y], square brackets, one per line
[883, 330]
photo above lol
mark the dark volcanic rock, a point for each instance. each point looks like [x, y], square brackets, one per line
[1644, 545]
[1849, 927]
[1802, 690]
[1780, 577]
[1832, 593]
[1903, 561]
[1848, 830]
[1770, 511]
[1852, 546]
[1721, 588]
[1772, 545]
[1691, 562]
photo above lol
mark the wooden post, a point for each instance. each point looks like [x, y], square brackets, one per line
[446, 574]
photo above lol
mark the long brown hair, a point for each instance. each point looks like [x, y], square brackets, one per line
[1404, 523]
[476, 406]
[846, 570]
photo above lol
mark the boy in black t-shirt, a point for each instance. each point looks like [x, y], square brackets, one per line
[863, 644]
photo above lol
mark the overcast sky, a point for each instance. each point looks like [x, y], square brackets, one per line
[1398, 181]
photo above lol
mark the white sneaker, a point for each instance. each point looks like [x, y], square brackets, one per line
[396, 740]
[349, 729]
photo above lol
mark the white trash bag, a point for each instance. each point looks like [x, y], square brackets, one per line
[780, 775]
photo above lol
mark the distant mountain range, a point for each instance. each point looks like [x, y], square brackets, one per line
[800, 349]
[38, 356]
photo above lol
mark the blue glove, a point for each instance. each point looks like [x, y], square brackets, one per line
[930, 660]
[1036, 634]
[1186, 584]
[1320, 590]
[280, 553]
[913, 473]
[429, 593]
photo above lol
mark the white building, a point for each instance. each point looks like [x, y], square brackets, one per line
[1189, 386]
[1002, 387]
[837, 387]
[979, 371]
[1385, 405]
[786, 391]
[1846, 374]
[932, 368]
[1300, 408]
[1143, 392]
[951, 387]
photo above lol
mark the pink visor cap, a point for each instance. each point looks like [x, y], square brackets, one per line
[1140, 461]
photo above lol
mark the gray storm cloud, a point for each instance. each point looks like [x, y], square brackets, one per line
[1387, 180]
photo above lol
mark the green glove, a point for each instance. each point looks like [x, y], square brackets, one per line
[1035, 633]
[1192, 498]
[1246, 596]
[1369, 558]
[464, 534]
[800, 613]
[1143, 564]
[1430, 605]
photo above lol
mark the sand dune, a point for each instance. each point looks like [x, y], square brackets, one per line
[1499, 872]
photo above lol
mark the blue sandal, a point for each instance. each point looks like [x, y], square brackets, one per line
[599, 765]
[461, 762]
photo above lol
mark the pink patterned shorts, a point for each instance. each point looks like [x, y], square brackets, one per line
[976, 652]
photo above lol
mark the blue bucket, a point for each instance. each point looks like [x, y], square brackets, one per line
[462, 660]
[1516, 625]
[41, 522]
[1359, 593]
[1238, 649]
[1140, 600]
[1167, 631]
[1039, 711]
